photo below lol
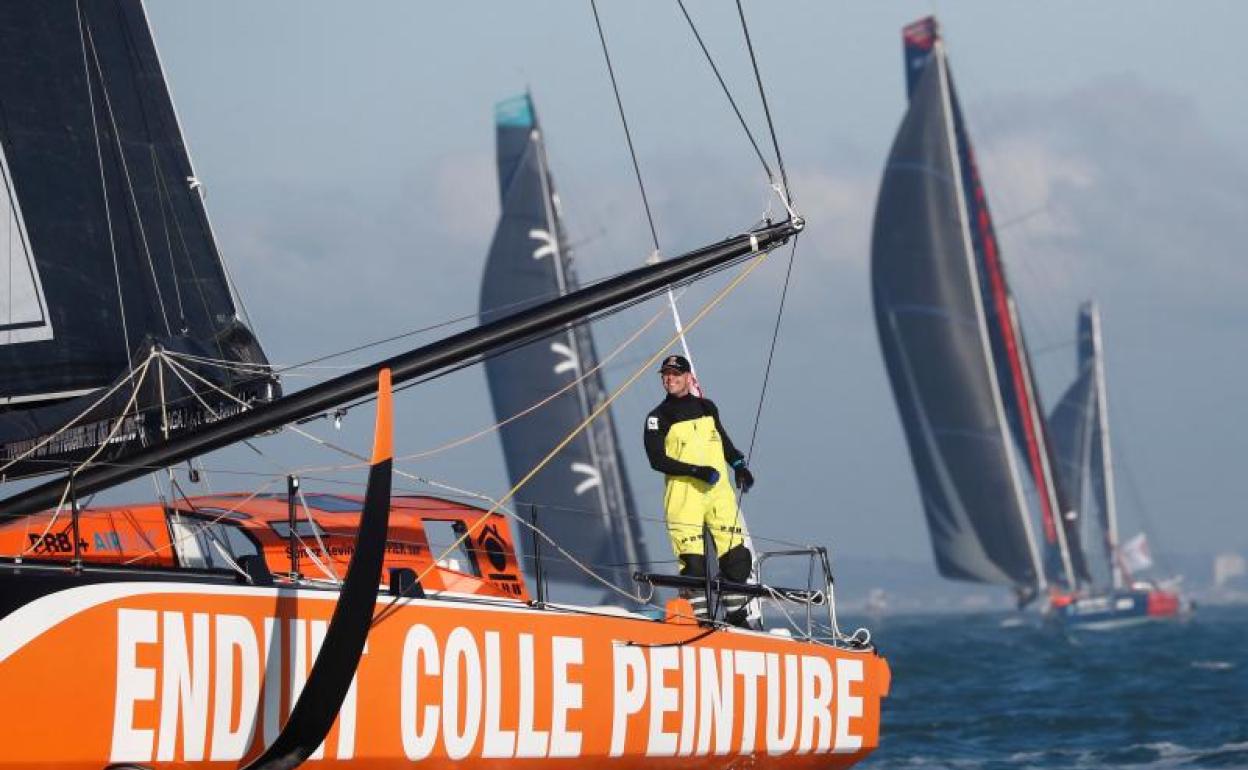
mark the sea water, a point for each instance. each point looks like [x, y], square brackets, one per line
[1003, 691]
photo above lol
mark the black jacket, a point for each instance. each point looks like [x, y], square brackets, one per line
[671, 412]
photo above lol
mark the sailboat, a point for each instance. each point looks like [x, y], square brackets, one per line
[267, 630]
[126, 248]
[1081, 435]
[956, 355]
[964, 383]
[582, 498]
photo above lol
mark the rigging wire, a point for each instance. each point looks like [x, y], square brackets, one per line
[286, 369]
[785, 196]
[525, 341]
[126, 379]
[99, 154]
[446, 491]
[1040, 306]
[538, 404]
[771, 354]
[740, 118]
[645, 200]
[163, 198]
[198, 282]
[784, 177]
[204, 526]
[1147, 522]
[129, 184]
[373, 344]
[209, 387]
[134, 395]
[759, 258]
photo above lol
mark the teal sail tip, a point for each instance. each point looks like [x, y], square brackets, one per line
[516, 111]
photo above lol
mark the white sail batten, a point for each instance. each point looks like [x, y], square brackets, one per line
[23, 307]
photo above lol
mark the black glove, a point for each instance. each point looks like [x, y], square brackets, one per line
[744, 478]
[705, 473]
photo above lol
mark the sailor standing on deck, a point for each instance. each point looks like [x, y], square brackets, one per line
[686, 442]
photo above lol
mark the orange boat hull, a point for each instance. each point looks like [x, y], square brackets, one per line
[179, 675]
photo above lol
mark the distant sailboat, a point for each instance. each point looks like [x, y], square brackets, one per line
[582, 499]
[965, 385]
[956, 355]
[1080, 428]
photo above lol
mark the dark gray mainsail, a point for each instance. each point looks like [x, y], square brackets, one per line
[930, 314]
[582, 497]
[1072, 424]
[106, 246]
[1080, 430]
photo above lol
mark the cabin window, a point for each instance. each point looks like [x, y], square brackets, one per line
[304, 529]
[204, 544]
[333, 503]
[441, 534]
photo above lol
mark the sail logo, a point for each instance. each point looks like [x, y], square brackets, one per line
[23, 309]
[592, 477]
[546, 243]
[568, 360]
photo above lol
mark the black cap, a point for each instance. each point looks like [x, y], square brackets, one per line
[679, 363]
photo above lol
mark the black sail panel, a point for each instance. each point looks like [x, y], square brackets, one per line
[1070, 426]
[933, 340]
[108, 237]
[1072, 429]
[1075, 428]
[581, 498]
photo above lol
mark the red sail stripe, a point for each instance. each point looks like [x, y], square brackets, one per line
[983, 224]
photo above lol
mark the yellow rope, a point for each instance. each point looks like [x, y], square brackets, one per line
[710, 305]
[140, 372]
[121, 418]
[454, 443]
[486, 431]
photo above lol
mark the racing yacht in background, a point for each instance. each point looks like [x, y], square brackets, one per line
[985, 456]
[1080, 427]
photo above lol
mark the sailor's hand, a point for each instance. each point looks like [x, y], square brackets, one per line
[705, 473]
[744, 478]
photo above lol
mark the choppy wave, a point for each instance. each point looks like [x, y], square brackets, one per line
[1213, 665]
[1158, 755]
[1144, 756]
[972, 693]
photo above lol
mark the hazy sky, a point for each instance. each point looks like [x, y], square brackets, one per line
[347, 150]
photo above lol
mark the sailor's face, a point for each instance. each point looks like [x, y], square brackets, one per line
[676, 383]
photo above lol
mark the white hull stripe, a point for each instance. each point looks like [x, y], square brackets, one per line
[45, 613]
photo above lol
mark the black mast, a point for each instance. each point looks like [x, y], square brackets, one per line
[415, 363]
